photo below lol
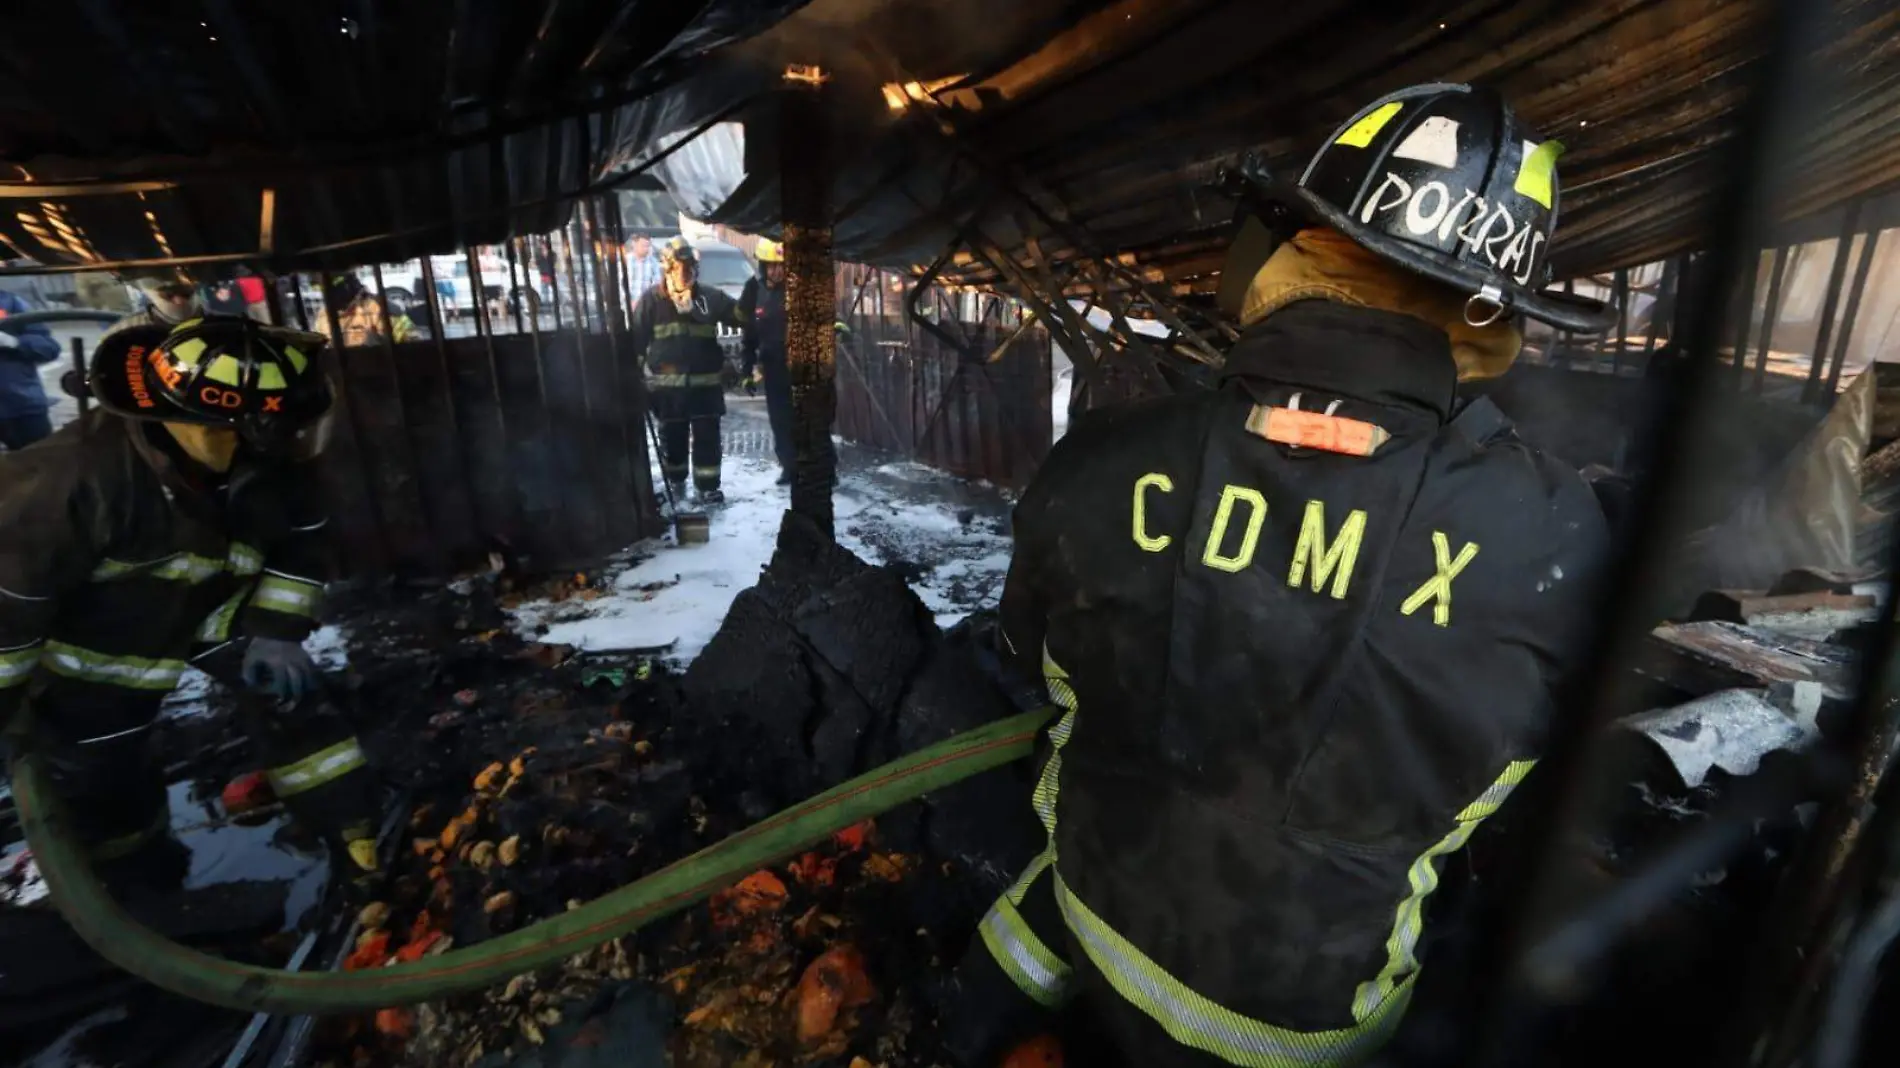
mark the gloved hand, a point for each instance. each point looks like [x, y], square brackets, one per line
[8, 341]
[279, 668]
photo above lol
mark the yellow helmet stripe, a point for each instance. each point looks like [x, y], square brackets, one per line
[226, 369]
[271, 376]
[187, 352]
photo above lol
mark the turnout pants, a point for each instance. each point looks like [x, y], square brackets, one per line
[691, 445]
[778, 406]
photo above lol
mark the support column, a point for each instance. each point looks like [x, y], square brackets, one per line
[810, 290]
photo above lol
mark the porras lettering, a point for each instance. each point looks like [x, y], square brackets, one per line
[1323, 558]
[1485, 228]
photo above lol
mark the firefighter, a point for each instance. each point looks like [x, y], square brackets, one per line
[1302, 629]
[762, 308]
[167, 523]
[676, 332]
[172, 295]
[359, 314]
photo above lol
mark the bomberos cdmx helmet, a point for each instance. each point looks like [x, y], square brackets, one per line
[1444, 180]
[218, 370]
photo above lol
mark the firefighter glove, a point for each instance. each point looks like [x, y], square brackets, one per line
[279, 668]
[8, 341]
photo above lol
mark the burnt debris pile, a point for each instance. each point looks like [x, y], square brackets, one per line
[540, 776]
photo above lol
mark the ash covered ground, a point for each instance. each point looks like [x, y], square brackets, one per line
[563, 738]
[949, 539]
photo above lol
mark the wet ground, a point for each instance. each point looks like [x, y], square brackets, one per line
[948, 538]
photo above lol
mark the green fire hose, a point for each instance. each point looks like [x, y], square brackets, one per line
[85, 903]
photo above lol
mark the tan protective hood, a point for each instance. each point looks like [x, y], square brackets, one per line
[1324, 264]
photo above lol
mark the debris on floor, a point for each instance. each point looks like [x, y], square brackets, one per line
[548, 773]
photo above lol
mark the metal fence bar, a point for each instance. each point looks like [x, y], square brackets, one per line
[1837, 276]
[1776, 276]
[1861, 271]
[1744, 317]
[1622, 297]
[1517, 996]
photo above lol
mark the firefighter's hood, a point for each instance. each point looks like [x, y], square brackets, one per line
[1321, 264]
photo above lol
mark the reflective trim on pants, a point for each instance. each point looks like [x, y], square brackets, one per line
[17, 664]
[676, 381]
[318, 768]
[132, 672]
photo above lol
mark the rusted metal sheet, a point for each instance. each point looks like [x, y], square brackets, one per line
[454, 449]
[911, 392]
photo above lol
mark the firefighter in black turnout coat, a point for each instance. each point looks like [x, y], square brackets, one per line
[173, 523]
[676, 331]
[1303, 629]
[762, 306]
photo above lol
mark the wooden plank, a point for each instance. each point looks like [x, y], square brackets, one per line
[484, 444]
[428, 405]
[535, 472]
[611, 429]
[575, 445]
[383, 440]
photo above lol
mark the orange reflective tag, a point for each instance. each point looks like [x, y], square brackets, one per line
[1317, 430]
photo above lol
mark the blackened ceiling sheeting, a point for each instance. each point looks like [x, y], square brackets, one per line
[1113, 128]
[385, 128]
[328, 132]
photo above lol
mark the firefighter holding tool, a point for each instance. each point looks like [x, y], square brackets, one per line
[176, 523]
[1303, 629]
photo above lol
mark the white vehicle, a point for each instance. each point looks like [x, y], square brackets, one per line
[455, 290]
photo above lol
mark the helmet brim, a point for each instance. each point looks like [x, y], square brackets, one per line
[120, 378]
[1564, 311]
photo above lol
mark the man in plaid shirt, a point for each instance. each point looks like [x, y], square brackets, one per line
[643, 265]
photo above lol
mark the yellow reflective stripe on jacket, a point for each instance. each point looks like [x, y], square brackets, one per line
[686, 329]
[1049, 782]
[132, 672]
[674, 381]
[1034, 969]
[183, 567]
[316, 769]
[291, 596]
[245, 560]
[1195, 1021]
[217, 625]
[178, 567]
[17, 663]
[1409, 925]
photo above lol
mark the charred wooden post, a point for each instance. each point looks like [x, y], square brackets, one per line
[810, 291]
